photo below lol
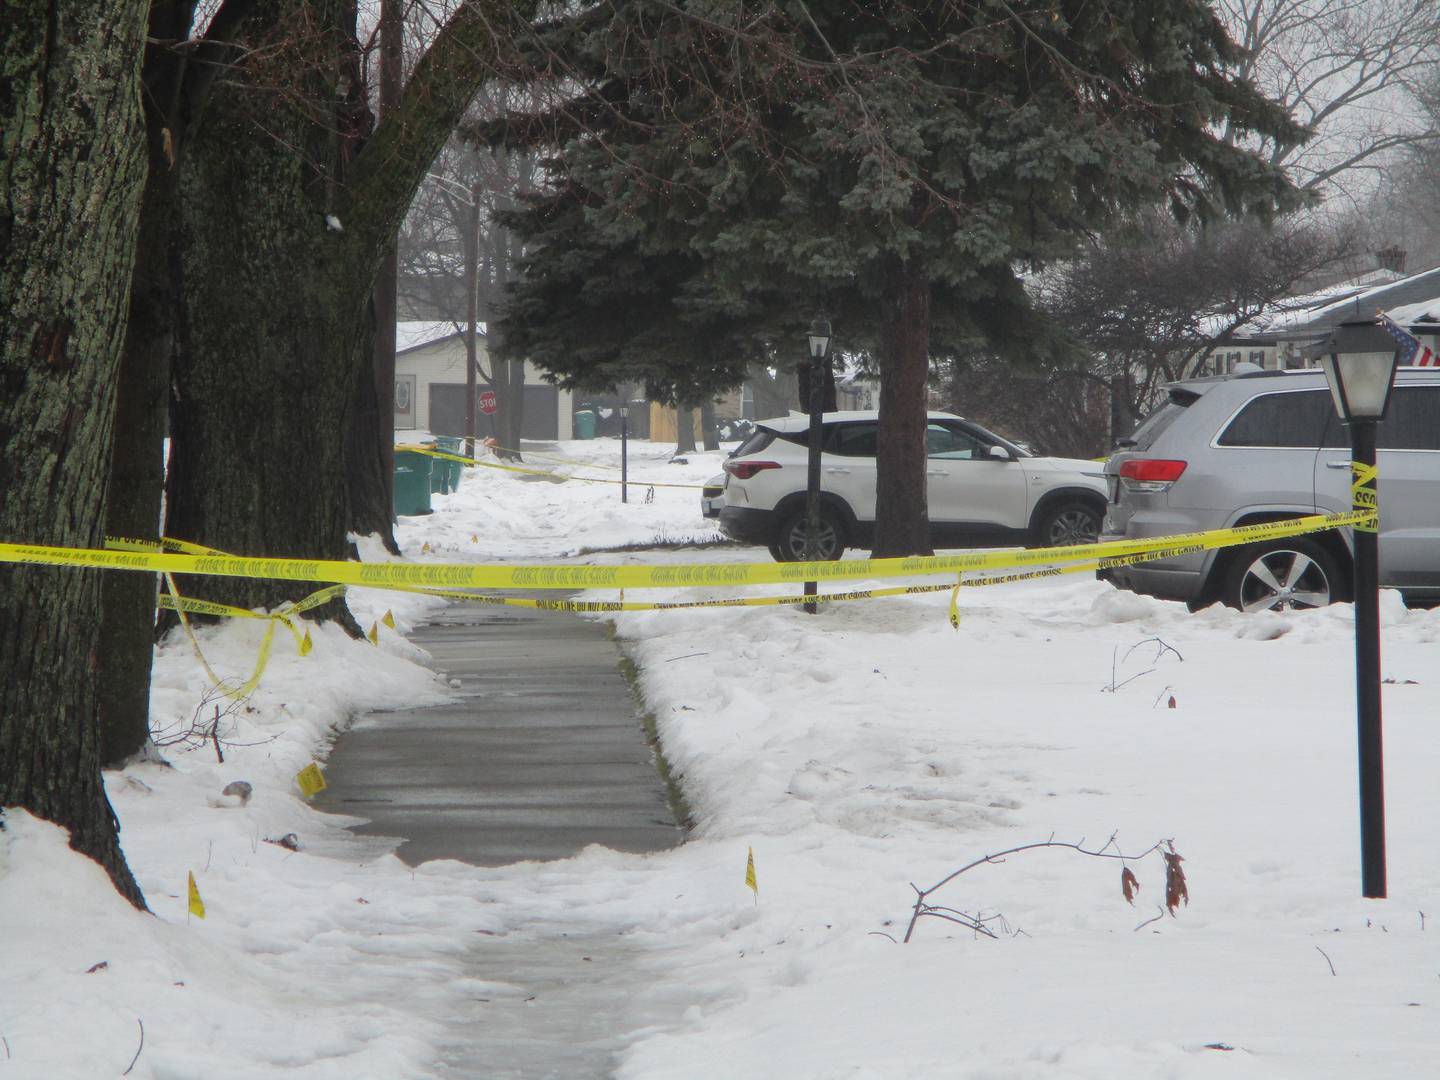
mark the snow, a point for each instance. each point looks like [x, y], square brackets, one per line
[855, 752]
[411, 335]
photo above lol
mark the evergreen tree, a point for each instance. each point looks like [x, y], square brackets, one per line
[896, 165]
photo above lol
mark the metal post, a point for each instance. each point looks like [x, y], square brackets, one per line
[624, 453]
[812, 475]
[1364, 496]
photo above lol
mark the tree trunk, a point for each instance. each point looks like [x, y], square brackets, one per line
[709, 430]
[137, 474]
[684, 429]
[72, 168]
[392, 81]
[370, 435]
[266, 375]
[277, 197]
[902, 524]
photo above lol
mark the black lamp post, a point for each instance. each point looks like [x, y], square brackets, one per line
[1359, 361]
[819, 336]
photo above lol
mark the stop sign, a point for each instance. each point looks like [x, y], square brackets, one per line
[487, 401]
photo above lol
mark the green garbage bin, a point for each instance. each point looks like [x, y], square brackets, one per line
[412, 483]
[584, 424]
[439, 473]
[453, 469]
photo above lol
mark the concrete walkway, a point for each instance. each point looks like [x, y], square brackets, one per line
[542, 756]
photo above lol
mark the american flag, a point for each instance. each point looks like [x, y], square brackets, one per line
[1411, 351]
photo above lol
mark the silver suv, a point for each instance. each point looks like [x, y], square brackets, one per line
[1267, 445]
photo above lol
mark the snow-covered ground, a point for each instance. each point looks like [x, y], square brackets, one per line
[855, 752]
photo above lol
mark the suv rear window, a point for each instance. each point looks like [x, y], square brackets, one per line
[1296, 419]
[1151, 427]
[1413, 419]
[758, 440]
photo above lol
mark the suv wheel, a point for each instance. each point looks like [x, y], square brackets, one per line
[1283, 575]
[1068, 522]
[789, 542]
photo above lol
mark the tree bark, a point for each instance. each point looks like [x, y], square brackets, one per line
[392, 82]
[137, 474]
[902, 524]
[142, 391]
[684, 429]
[709, 430]
[72, 167]
[265, 375]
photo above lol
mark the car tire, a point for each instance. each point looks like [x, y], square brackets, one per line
[1283, 575]
[788, 543]
[1068, 522]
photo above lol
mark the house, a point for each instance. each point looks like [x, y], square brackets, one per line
[430, 386]
[1277, 338]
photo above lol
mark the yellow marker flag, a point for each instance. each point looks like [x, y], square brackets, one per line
[389, 619]
[306, 644]
[374, 634]
[310, 779]
[750, 872]
[197, 906]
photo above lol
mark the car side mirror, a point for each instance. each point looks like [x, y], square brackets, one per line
[999, 453]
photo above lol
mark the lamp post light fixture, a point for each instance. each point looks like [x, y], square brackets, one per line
[624, 453]
[819, 336]
[1359, 361]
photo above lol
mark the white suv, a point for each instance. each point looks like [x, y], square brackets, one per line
[980, 488]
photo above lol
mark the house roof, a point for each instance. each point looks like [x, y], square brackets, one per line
[1405, 299]
[1416, 315]
[412, 335]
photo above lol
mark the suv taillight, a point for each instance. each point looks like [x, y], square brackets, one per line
[1150, 474]
[744, 470]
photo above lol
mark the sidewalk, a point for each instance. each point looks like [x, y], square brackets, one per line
[542, 756]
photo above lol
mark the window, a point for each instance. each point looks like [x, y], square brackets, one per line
[1257, 357]
[1413, 419]
[944, 441]
[852, 440]
[1295, 419]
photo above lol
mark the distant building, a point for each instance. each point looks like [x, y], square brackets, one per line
[1277, 338]
[430, 387]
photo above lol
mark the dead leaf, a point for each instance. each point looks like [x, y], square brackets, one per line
[101, 966]
[1175, 890]
[1129, 885]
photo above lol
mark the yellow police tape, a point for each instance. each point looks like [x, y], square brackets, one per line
[683, 575]
[170, 557]
[446, 456]
[185, 606]
[534, 455]
[1362, 492]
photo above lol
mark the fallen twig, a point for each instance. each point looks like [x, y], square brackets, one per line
[1147, 922]
[137, 1049]
[1175, 886]
[1327, 958]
